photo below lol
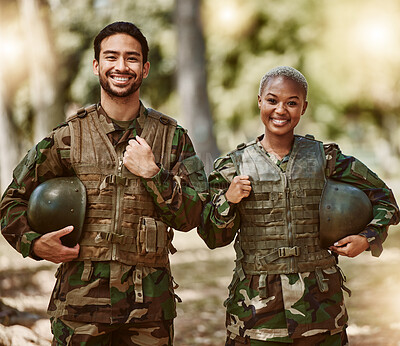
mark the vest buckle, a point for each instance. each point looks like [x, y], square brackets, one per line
[288, 251]
[241, 146]
[81, 112]
[164, 121]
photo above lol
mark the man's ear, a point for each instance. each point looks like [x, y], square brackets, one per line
[146, 69]
[95, 67]
[259, 101]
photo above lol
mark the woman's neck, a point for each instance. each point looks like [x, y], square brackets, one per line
[278, 146]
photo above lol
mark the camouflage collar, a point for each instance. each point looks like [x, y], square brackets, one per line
[110, 126]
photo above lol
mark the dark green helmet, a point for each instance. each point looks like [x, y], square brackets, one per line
[58, 203]
[344, 210]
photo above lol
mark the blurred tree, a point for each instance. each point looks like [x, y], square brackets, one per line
[8, 139]
[245, 40]
[44, 87]
[9, 83]
[192, 80]
[50, 74]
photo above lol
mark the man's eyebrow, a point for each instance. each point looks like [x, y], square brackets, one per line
[110, 51]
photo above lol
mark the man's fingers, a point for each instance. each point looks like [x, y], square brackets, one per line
[142, 141]
[66, 230]
[132, 142]
[60, 233]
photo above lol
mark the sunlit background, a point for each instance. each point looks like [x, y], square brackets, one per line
[349, 50]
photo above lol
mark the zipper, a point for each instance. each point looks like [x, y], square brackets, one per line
[289, 222]
[118, 201]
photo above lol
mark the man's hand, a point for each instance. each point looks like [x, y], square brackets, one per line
[50, 248]
[350, 246]
[240, 188]
[139, 159]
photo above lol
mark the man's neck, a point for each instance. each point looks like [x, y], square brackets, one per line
[121, 108]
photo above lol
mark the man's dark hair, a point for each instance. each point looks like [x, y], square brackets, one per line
[121, 28]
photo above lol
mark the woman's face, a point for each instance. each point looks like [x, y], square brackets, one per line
[281, 105]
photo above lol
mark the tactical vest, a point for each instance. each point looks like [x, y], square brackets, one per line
[279, 231]
[121, 223]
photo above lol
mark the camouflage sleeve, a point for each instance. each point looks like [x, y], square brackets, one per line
[350, 170]
[179, 193]
[220, 221]
[42, 162]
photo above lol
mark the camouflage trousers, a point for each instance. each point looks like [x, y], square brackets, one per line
[160, 333]
[323, 339]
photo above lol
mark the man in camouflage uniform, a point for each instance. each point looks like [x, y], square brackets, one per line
[115, 286]
[286, 289]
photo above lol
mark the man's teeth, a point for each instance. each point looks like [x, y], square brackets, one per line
[121, 79]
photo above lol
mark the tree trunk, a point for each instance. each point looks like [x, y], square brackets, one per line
[192, 81]
[43, 78]
[9, 148]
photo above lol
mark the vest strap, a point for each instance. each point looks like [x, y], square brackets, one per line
[113, 179]
[87, 270]
[239, 257]
[263, 285]
[322, 282]
[138, 282]
[343, 280]
[281, 252]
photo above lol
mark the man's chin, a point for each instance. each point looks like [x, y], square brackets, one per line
[120, 93]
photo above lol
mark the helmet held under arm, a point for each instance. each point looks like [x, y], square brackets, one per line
[58, 203]
[344, 210]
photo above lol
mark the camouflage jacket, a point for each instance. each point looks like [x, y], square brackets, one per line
[108, 296]
[295, 306]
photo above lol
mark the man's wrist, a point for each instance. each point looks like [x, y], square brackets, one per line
[152, 172]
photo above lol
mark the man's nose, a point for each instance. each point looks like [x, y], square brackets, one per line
[121, 64]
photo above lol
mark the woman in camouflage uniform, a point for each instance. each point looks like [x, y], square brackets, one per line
[265, 196]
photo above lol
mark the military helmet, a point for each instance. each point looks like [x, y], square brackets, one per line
[343, 210]
[58, 203]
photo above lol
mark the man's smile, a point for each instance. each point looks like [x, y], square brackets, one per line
[120, 79]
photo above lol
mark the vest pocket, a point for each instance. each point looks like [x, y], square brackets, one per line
[152, 236]
[195, 171]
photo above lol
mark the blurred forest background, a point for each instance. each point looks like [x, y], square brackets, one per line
[207, 58]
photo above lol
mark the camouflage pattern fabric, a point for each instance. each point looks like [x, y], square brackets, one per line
[295, 308]
[158, 333]
[178, 192]
[84, 301]
[322, 339]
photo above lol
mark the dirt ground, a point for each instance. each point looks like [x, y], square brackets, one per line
[203, 276]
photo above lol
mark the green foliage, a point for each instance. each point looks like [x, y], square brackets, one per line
[244, 41]
[353, 78]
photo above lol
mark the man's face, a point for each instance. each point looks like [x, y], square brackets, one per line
[120, 67]
[281, 104]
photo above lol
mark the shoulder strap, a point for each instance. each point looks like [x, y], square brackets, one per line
[159, 131]
[236, 155]
[79, 128]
